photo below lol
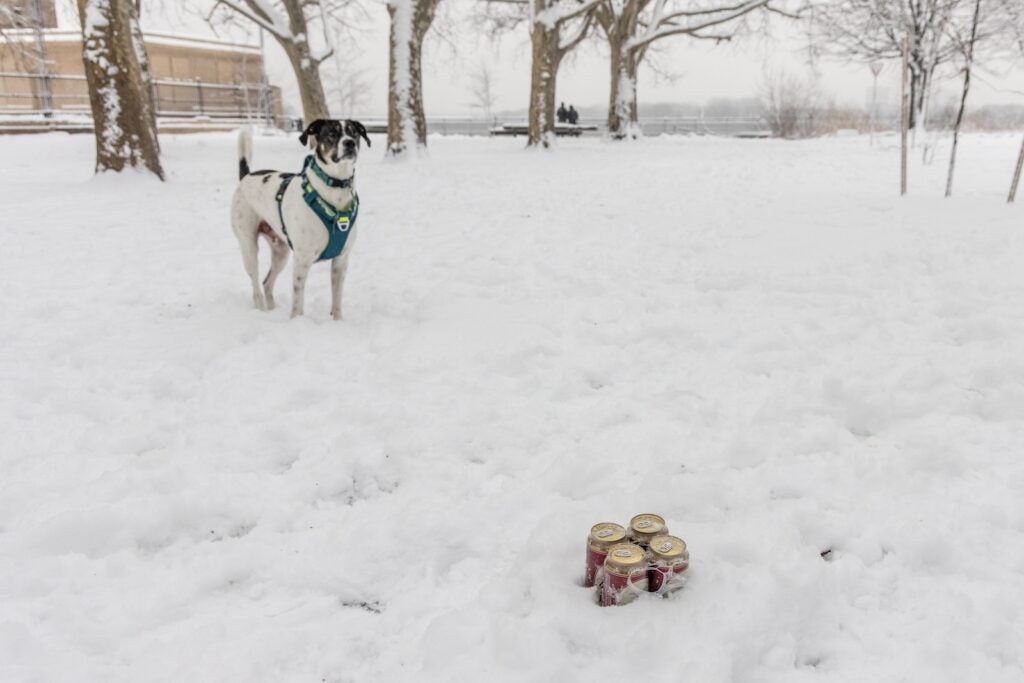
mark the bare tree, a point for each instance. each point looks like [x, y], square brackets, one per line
[966, 46]
[407, 122]
[795, 108]
[556, 28]
[290, 23]
[1015, 31]
[351, 90]
[874, 30]
[124, 126]
[482, 88]
[633, 26]
[1015, 183]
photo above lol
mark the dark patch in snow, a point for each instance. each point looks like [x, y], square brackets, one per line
[812, 662]
[372, 606]
[827, 555]
[238, 531]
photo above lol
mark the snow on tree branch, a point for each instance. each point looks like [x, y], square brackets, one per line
[664, 21]
[263, 14]
[560, 11]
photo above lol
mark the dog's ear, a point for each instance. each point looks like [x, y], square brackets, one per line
[312, 129]
[361, 129]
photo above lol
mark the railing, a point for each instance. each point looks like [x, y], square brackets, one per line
[736, 126]
[50, 95]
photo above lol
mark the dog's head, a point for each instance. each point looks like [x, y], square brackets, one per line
[336, 143]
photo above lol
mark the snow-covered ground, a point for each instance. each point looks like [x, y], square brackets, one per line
[755, 339]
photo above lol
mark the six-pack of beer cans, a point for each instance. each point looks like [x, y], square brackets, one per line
[624, 562]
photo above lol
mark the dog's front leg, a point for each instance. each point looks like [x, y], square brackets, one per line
[300, 270]
[339, 266]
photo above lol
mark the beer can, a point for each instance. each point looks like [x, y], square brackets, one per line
[643, 528]
[669, 559]
[625, 574]
[602, 537]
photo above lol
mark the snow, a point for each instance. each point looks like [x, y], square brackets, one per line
[753, 338]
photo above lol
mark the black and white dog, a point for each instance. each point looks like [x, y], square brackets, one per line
[313, 212]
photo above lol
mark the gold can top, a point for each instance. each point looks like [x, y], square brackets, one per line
[607, 533]
[648, 524]
[625, 557]
[669, 548]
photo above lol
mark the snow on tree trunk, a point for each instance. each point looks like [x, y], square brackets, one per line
[407, 122]
[122, 120]
[147, 75]
[543, 83]
[622, 109]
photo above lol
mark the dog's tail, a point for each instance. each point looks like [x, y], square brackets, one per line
[244, 150]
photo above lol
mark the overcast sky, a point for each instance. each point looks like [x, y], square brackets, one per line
[698, 70]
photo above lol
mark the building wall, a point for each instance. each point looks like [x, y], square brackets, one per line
[177, 64]
[23, 8]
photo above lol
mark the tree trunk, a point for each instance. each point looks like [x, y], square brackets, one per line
[123, 124]
[543, 81]
[920, 81]
[1016, 175]
[147, 74]
[619, 28]
[307, 69]
[622, 109]
[307, 76]
[968, 64]
[407, 121]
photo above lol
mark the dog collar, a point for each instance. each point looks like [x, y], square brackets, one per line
[322, 174]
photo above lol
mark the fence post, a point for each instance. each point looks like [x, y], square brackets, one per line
[45, 92]
[199, 95]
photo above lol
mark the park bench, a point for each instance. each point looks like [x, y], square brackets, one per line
[560, 130]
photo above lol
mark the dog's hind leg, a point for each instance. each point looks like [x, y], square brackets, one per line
[246, 226]
[250, 259]
[339, 267]
[278, 258]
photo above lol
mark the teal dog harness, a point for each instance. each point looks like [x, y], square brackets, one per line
[337, 222]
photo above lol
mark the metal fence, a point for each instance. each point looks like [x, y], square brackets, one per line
[49, 95]
[731, 126]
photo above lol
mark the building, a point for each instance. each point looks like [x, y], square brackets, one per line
[41, 72]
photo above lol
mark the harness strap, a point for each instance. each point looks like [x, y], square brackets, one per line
[337, 222]
[280, 211]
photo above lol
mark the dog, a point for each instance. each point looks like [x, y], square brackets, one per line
[311, 213]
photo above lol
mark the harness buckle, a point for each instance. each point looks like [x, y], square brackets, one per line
[343, 223]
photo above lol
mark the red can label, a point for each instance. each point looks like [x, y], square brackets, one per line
[595, 566]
